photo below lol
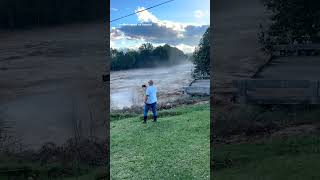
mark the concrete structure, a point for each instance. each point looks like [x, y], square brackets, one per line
[198, 88]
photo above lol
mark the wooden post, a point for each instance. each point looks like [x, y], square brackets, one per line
[243, 91]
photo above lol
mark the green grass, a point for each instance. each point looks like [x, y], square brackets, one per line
[294, 158]
[176, 147]
[16, 164]
[81, 172]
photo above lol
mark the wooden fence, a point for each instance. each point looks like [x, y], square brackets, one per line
[277, 91]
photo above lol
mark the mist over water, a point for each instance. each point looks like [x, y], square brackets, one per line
[126, 89]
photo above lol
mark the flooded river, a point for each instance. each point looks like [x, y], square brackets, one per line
[126, 88]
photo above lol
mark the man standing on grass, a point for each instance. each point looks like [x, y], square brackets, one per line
[150, 101]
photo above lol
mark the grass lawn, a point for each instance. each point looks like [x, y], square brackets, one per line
[295, 158]
[15, 167]
[291, 156]
[176, 147]
[58, 171]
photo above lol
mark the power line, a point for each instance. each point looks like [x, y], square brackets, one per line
[141, 11]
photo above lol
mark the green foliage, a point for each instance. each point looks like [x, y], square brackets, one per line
[292, 21]
[146, 56]
[20, 14]
[201, 57]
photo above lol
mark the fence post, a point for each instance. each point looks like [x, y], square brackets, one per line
[314, 86]
[243, 91]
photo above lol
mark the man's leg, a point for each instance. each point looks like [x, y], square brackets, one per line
[154, 111]
[145, 113]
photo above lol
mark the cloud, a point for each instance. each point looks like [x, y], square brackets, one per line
[155, 33]
[145, 15]
[116, 34]
[151, 29]
[198, 14]
[112, 45]
[114, 9]
[185, 48]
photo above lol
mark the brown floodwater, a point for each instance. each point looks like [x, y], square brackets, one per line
[125, 86]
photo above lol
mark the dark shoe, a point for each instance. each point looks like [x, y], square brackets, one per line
[155, 119]
[145, 119]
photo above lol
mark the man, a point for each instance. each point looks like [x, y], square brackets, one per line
[150, 101]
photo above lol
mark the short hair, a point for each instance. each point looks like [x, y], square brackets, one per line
[150, 82]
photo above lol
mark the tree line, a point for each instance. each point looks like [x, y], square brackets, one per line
[29, 13]
[292, 21]
[146, 56]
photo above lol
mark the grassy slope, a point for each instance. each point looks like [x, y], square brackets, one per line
[294, 156]
[85, 172]
[176, 147]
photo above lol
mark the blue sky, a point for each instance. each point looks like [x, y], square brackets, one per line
[179, 23]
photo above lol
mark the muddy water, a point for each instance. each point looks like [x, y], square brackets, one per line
[126, 88]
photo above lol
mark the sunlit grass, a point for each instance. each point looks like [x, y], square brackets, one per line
[176, 147]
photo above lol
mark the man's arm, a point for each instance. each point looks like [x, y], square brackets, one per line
[147, 95]
[145, 98]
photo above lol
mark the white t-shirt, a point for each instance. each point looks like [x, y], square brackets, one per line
[151, 92]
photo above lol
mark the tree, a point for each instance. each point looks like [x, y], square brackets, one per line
[146, 56]
[292, 21]
[161, 52]
[201, 57]
[146, 47]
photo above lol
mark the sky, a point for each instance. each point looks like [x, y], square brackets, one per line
[180, 23]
